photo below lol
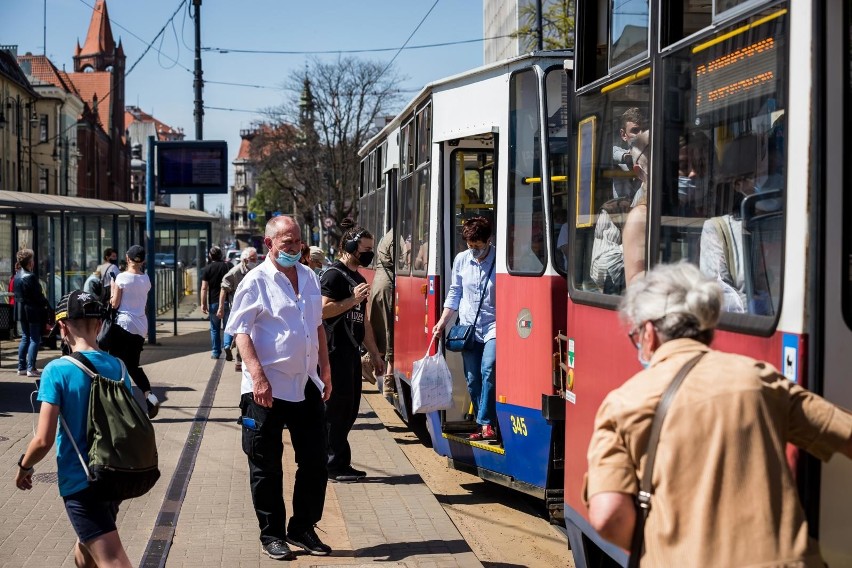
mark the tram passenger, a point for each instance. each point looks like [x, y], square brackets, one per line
[721, 254]
[276, 321]
[723, 440]
[381, 308]
[633, 235]
[472, 278]
[633, 122]
[347, 327]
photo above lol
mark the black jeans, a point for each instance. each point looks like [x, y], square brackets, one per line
[341, 409]
[128, 347]
[264, 447]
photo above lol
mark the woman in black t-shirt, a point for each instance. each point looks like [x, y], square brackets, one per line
[347, 327]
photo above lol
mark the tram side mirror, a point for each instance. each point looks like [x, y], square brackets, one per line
[763, 245]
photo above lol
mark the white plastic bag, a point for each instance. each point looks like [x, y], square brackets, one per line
[431, 383]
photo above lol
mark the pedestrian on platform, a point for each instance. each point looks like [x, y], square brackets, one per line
[722, 493]
[211, 285]
[108, 270]
[230, 282]
[276, 321]
[347, 327]
[381, 308]
[317, 260]
[127, 337]
[472, 297]
[32, 310]
[64, 390]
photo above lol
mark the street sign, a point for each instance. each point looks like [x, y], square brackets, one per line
[276, 213]
[252, 215]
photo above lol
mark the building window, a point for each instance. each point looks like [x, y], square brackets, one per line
[43, 128]
[43, 177]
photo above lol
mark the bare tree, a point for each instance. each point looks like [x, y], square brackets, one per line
[307, 152]
[557, 25]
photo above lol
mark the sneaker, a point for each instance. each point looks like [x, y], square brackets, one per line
[214, 356]
[278, 550]
[342, 476]
[310, 542]
[229, 354]
[153, 404]
[238, 367]
[22, 372]
[34, 373]
[487, 433]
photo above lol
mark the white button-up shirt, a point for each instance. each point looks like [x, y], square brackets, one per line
[282, 326]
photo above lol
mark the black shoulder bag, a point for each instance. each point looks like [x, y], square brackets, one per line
[646, 490]
[460, 337]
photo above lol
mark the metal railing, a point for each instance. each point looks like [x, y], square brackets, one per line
[164, 282]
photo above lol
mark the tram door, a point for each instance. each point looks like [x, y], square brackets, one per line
[472, 193]
[835, 500]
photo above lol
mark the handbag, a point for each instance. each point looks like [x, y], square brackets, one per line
[461, 337]
[106, 335]
[646, 490]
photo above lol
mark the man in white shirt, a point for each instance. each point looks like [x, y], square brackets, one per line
[276, 319]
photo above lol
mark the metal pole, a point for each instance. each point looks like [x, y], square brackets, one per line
[539, 25]
[176, 273]
[198, 84]
[149, 245]
[20, 152]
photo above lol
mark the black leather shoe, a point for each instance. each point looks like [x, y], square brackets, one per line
[310, 542]
[359, 474]
[278, 550]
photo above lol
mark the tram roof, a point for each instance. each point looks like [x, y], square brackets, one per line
[38, 202]
[555, 54]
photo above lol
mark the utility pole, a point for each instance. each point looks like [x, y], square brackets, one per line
[198, 85]
[539, 25]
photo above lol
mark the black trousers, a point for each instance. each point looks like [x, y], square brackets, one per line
[341, 409]
[128, 347]
[264, 447]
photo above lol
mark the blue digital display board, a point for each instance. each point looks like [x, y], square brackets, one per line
[199, 166]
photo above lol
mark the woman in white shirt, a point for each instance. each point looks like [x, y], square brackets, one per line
[129, 298]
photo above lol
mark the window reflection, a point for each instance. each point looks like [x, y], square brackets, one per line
[629, 32]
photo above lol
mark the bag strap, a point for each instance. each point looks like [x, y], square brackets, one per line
[484, 286]
[646, 490]
[84, 364]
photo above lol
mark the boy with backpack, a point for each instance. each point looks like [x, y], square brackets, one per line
[64, 394]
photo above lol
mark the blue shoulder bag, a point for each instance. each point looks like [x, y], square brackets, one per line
[461, 337]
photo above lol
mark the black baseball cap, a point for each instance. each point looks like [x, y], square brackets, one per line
[136, 253]
[77, 305]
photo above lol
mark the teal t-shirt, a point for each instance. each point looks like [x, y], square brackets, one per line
[67, 386]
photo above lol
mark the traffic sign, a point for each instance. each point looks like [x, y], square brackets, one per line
[252, 215]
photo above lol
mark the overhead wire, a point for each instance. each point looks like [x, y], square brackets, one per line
[409, 39]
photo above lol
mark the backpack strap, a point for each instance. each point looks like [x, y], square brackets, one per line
[348, 328]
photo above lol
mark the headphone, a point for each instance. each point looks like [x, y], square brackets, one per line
[351, 245]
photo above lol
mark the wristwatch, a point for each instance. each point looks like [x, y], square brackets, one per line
[21, 464]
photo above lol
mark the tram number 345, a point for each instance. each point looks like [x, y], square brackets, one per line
[519, 426]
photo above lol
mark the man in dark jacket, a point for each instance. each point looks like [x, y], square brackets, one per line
[31, 312]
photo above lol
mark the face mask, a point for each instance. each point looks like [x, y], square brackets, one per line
[642, 361]
[113, 261]
[287, 260]
[250, 265]
[365, 258]
[478, 253]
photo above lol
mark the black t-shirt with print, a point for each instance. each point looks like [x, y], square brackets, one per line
[338, 282]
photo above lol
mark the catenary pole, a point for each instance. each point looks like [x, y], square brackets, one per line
[198, 84]
[149, 245]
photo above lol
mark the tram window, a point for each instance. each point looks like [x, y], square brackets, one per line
[472, 190]
[557, 88]
[723, 162]
[406, 149]
[362, 190]
[684, 18]
[526, 253]
[420, 239]
[616, 32]
[609, 243]
[424, 134]
[405, 222]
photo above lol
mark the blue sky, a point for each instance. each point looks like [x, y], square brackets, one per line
[163, 88]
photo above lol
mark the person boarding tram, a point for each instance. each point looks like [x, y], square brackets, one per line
[723, 493]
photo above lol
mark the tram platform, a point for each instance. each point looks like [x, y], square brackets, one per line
[200, 512]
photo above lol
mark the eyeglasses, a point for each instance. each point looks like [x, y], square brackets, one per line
[635, 334]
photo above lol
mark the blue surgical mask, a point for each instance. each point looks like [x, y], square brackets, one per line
[642, 361]
[287, 260]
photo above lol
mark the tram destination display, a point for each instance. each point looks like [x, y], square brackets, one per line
[192, 166]
[738, 75]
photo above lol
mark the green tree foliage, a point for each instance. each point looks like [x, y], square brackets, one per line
[557, 25]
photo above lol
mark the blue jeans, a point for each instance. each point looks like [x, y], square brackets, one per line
[479, 372]
[217, 327]
[28, 349]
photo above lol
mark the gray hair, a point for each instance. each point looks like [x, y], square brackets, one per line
[247, 252]
[678, 299]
